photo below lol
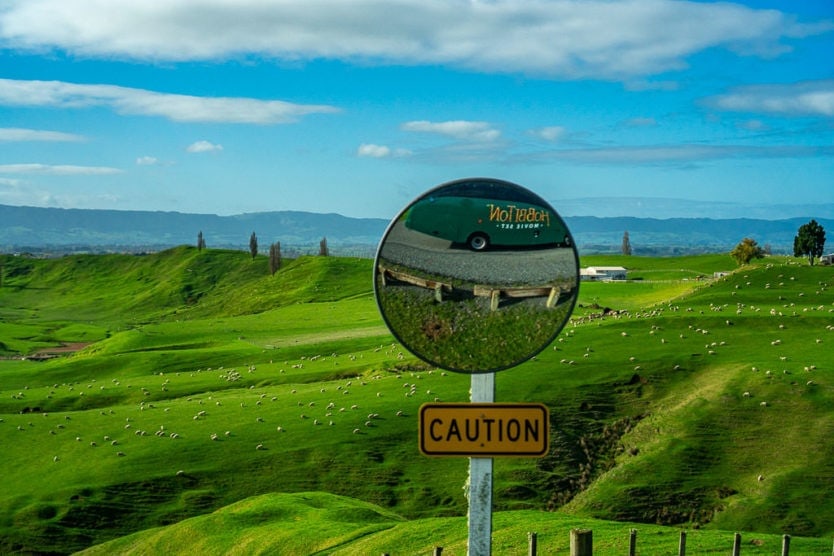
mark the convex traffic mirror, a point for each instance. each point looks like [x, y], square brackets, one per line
[476, 275]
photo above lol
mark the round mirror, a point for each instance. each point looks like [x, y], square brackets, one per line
[476, 275]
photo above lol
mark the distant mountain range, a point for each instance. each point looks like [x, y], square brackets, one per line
[56, 230]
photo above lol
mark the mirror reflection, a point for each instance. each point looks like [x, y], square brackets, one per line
[476, 275]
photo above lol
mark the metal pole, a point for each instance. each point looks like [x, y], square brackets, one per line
[480, 478]
[532, 543]
[786, 545]
[632, 543]
[682, 544]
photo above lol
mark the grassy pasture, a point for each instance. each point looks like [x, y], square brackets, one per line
[657, 414]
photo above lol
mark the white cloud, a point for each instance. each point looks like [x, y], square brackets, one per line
[808, 98]
[203, 147]
[373, 151]
[550, 133]
[558, 38]
[57, 169]
[147, 161]
[15, 134]
[461, 130]
[179, 108]
[676, 154]
[381, 151]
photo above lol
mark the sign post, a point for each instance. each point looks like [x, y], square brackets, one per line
[476, 241]
[480, 479]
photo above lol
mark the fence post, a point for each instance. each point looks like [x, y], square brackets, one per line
[682, 544]
[531, 543]
[737, 544]
[581, 542]
[438, 550]
[786, 545]
[632, 543]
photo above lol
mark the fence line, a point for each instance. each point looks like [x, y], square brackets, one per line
[582, 544]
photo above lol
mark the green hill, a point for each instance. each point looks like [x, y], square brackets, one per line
[203, 381]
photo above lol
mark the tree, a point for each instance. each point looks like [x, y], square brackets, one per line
[809, 241]
[323, 251]
[253, 245]
[626, 244]
[201, 242]
[274, 257]
[746, 251]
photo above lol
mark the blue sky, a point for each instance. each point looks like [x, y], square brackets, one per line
[357, 107]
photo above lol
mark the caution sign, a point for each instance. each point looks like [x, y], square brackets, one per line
[484, 429]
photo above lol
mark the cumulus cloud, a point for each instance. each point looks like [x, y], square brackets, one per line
[15, 134]
[550, 133]
[460, 130]
[373, 151]
[557, 38]
[203, 147]
[179, 108]
[57, 169]
[381, 151]
[807, 98]
[147, 161]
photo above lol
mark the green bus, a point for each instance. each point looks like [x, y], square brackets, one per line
[484, 212]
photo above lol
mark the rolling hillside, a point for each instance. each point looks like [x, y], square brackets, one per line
[54, 230]
[197, 381]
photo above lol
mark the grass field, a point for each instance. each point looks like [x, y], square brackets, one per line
[215, 406]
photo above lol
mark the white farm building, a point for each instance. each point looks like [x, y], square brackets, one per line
[602, 273]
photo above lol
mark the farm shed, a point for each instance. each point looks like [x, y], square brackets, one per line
[602, 273]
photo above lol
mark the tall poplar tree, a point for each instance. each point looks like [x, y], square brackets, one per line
[253, 245]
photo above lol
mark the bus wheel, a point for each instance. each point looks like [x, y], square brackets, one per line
[478, 242]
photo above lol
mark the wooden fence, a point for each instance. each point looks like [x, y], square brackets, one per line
[495, 294]
[582, 544]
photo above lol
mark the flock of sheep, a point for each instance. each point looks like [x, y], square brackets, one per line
[235, 412]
